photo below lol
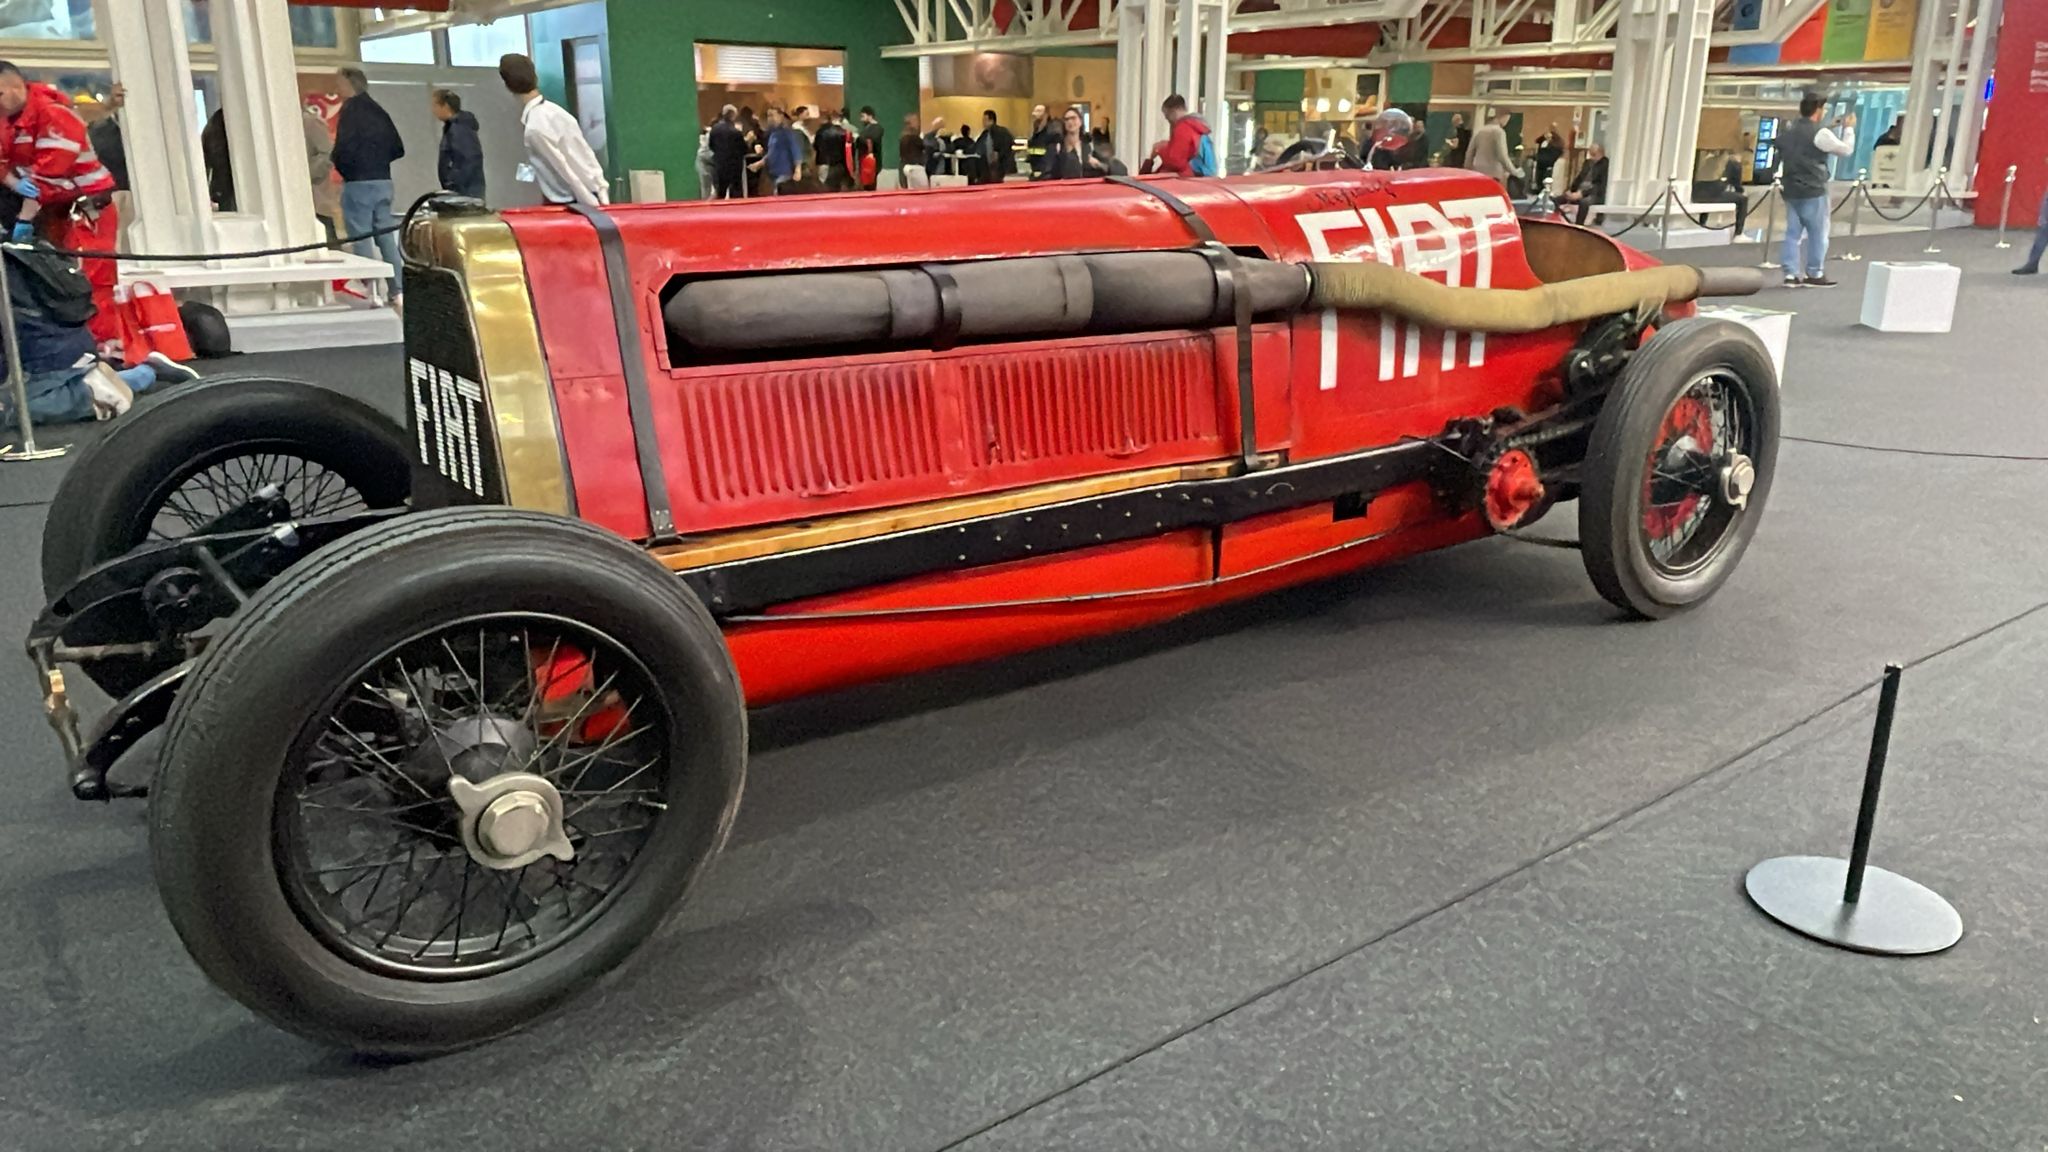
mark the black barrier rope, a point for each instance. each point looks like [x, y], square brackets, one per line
[188, 257]
[1647, 213]
[1702, 221]
[1907, 214]
[1846, 197]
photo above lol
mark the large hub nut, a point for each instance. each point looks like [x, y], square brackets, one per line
[511, 820]
[1738, 477]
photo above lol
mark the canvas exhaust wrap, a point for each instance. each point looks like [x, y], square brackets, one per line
[1130, 292]
[1384, 288]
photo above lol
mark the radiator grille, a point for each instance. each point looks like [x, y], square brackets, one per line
[1116, 400]
[811, 432]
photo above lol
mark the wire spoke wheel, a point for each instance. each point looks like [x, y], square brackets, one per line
[1679, 466]
[474, 797]
[214, 487]
[1690, 504]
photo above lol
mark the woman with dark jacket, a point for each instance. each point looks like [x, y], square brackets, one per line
[1075, 155]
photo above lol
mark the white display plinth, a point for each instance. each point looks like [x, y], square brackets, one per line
[1773, 328]
[1910, 296]
[949, 181]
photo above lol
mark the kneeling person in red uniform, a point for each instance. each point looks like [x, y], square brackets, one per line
[65, 190]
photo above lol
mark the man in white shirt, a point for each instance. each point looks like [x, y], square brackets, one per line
[1804, 147]
[564, 167]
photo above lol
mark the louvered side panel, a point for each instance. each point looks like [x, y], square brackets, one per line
[1138, 399]
[814, 432]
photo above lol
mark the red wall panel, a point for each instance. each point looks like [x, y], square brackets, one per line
[2016, 124]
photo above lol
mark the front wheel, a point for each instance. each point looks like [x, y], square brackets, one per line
[1680, 463]
[442, 775]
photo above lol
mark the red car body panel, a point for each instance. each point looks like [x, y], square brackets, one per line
[797, 439]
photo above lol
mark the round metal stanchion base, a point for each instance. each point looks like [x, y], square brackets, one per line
[1893, 916]
[12, 453]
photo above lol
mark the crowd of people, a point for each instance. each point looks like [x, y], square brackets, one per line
[781, 152]
[63, 183]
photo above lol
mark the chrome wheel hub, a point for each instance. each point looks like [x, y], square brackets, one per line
[510, 820]
[1738, 477]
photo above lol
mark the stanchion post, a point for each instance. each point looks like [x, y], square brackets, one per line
[2012, 174]
[1849, 903]
[1934, 208]
[1772, 200]
[1856, 197]
[17, 380]
[1873, 780]
[1669, 201]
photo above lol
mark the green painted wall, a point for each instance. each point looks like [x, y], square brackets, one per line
[1408, 84]
[1280, 86]
[653, 67]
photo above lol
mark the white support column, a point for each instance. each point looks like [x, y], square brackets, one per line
[1164, 47]
[1187, 56]
[1130, 71]
[1564, 22]
[1970, 112]
[259, 87]
[1215, 100]
[1943, 125]
[1923, 83]
[268, 299]
[1156, 82]
[1660, 59]
[145, 40]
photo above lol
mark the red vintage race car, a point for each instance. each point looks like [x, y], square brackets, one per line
[442, 721]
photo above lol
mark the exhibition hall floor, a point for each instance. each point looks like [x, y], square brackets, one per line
[1442, 856]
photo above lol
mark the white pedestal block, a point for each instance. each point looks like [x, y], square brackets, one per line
[1910, 296]
[1773, 328]
[949, 181]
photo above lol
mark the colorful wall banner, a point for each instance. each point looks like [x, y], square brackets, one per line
[1891, 30]
[1848, 31]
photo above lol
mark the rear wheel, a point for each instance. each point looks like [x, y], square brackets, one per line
[1680, 464]
[177, 461]
[442, 775]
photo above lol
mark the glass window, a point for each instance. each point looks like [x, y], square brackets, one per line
[480, 45]
[312, 27]
[46, 20]
[405, 48]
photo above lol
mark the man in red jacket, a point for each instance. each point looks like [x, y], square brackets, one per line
[1176, 154]
[65, 191]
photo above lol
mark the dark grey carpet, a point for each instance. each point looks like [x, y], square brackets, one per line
[1441, 856]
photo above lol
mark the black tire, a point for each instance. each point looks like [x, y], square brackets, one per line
[1617, 552]
[115, 489]
[214, 807]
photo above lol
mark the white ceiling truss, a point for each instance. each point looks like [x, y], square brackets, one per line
[951, 27]
[1409, 29]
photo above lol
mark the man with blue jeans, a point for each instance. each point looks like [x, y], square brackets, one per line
[365, 144]
[2033, 264]
[1805, 147]
[66, 380]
